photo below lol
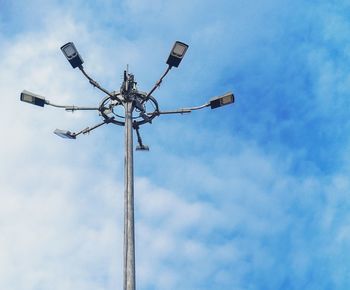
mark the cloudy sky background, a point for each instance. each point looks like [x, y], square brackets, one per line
[249, 196]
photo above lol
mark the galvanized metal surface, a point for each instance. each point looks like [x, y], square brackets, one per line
[129, 231]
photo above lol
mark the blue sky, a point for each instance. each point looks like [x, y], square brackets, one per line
[251, 196]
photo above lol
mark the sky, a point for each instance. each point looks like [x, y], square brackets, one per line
[249, 196]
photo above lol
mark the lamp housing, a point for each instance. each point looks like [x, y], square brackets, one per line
[177, 53]
[65, 134]
[72, 54]
[223, 100]
[32, 98]
[142, 148]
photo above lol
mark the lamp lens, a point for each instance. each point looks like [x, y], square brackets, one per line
[226, 100]
[179, 50]
[70, 51]
[27, 98]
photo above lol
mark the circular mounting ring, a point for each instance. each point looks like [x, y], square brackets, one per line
[140, 103]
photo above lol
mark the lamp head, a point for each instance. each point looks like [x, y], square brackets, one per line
[32, 98]
[223, 100]
[72, 54]
[65, 134]
[177, 54]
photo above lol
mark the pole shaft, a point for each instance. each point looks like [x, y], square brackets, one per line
[129, 231]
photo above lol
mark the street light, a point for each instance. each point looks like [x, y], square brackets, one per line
[220, 101]
[65, 134]
[38, 100]
[32, 98]
[177, 54]
[72, 54]
[139, 108]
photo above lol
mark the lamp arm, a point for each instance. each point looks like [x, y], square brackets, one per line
[70, 108]
[75, 108]
[183, 110]
[198, 107]
[97, 85]
[89, 129]
[157, 84]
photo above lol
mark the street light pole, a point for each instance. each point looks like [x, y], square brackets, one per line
[133, 101]
[129, 230]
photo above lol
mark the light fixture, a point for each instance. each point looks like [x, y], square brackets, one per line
[65, 134]
[142, 148]
[177, 54]
[72, 54]
[223, 100]
[32, 98]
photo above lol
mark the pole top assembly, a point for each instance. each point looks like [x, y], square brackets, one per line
[139, 108]
[144, 105]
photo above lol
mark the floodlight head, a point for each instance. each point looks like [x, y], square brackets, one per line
[65, 134]
[223, 100]
[32, 98]
[72, 54]
[177, 54]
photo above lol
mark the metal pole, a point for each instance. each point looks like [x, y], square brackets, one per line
[129, 232]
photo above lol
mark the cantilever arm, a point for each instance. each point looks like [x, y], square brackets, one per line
[214, 103]
[157, 84]
[183, 110]
[97, 85]
[70, 108]
[89, 129]
[72, 135]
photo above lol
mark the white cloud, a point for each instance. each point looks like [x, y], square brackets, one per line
[221, 214]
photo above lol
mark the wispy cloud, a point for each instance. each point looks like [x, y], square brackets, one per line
[250, 197]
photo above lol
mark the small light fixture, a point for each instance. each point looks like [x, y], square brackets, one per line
[177, 54]
[65, 134]
[71, 53]
[142, 148]
[223, 100]
[32, 98]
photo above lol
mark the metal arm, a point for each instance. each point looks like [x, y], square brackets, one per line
[157, 84]
[71, 108]
[141, 146]
[84, 131]
[96, 84]
[184, 110]
[88, 129]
